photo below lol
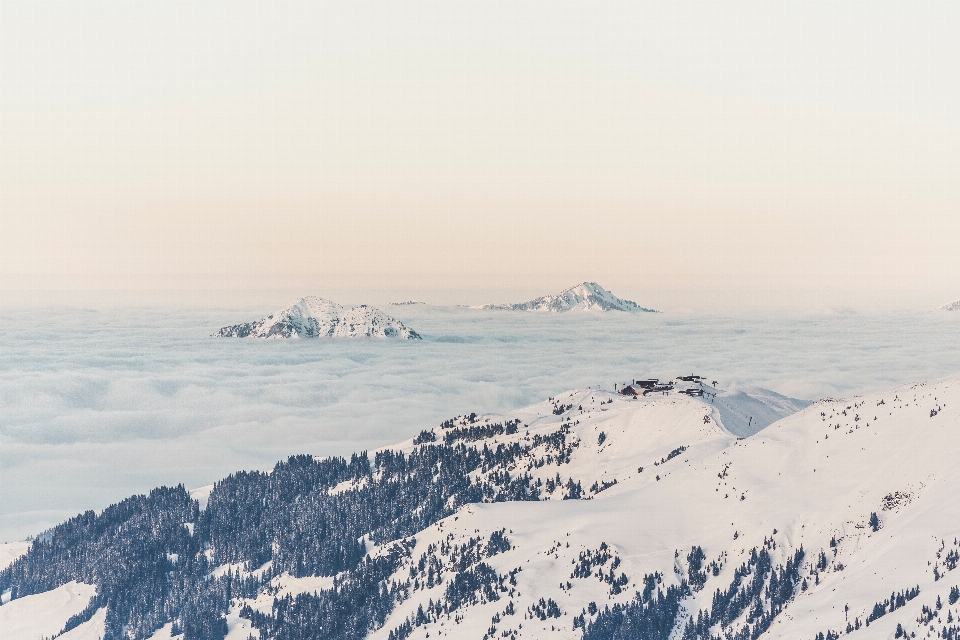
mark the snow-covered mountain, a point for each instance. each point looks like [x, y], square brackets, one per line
[952, 306]
[586, 296]
[590, 515]
[314, 317]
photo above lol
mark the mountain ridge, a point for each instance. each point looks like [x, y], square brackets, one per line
[315, 317]
[586, 296]
[587, 515]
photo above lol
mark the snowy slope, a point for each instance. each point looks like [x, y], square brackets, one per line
[43, 615]
[745, 411]
[92, 629]
[587, 296]
[654, 479]
[812, 477]
[808, 479]
[10, 551]
[313, 317]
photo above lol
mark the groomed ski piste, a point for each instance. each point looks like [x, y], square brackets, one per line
[840, 519]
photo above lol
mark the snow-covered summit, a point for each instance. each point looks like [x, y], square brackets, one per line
[314, 317]
[952, 306]
[586, 296]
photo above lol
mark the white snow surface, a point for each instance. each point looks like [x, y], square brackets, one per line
[586, 296]
[745, 411]
[92, 629]
[43, 615]
[10, 551]
[314, 317]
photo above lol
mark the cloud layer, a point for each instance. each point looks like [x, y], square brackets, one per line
[98, 404]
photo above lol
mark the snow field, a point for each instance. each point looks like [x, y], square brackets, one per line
[43, 615]
[10, 551]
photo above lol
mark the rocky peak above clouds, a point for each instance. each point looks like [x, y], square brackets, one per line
[314, 317]
[586, 296]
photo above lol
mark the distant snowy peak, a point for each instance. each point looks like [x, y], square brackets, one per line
[314, 317]
[952, 306]
[588, 296]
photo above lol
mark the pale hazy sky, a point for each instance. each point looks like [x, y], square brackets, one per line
[729, 147]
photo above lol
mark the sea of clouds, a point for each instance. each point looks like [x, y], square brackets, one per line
[100, 403]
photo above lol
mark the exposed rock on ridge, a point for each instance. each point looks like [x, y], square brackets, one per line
[587, 296]
[314, 317]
